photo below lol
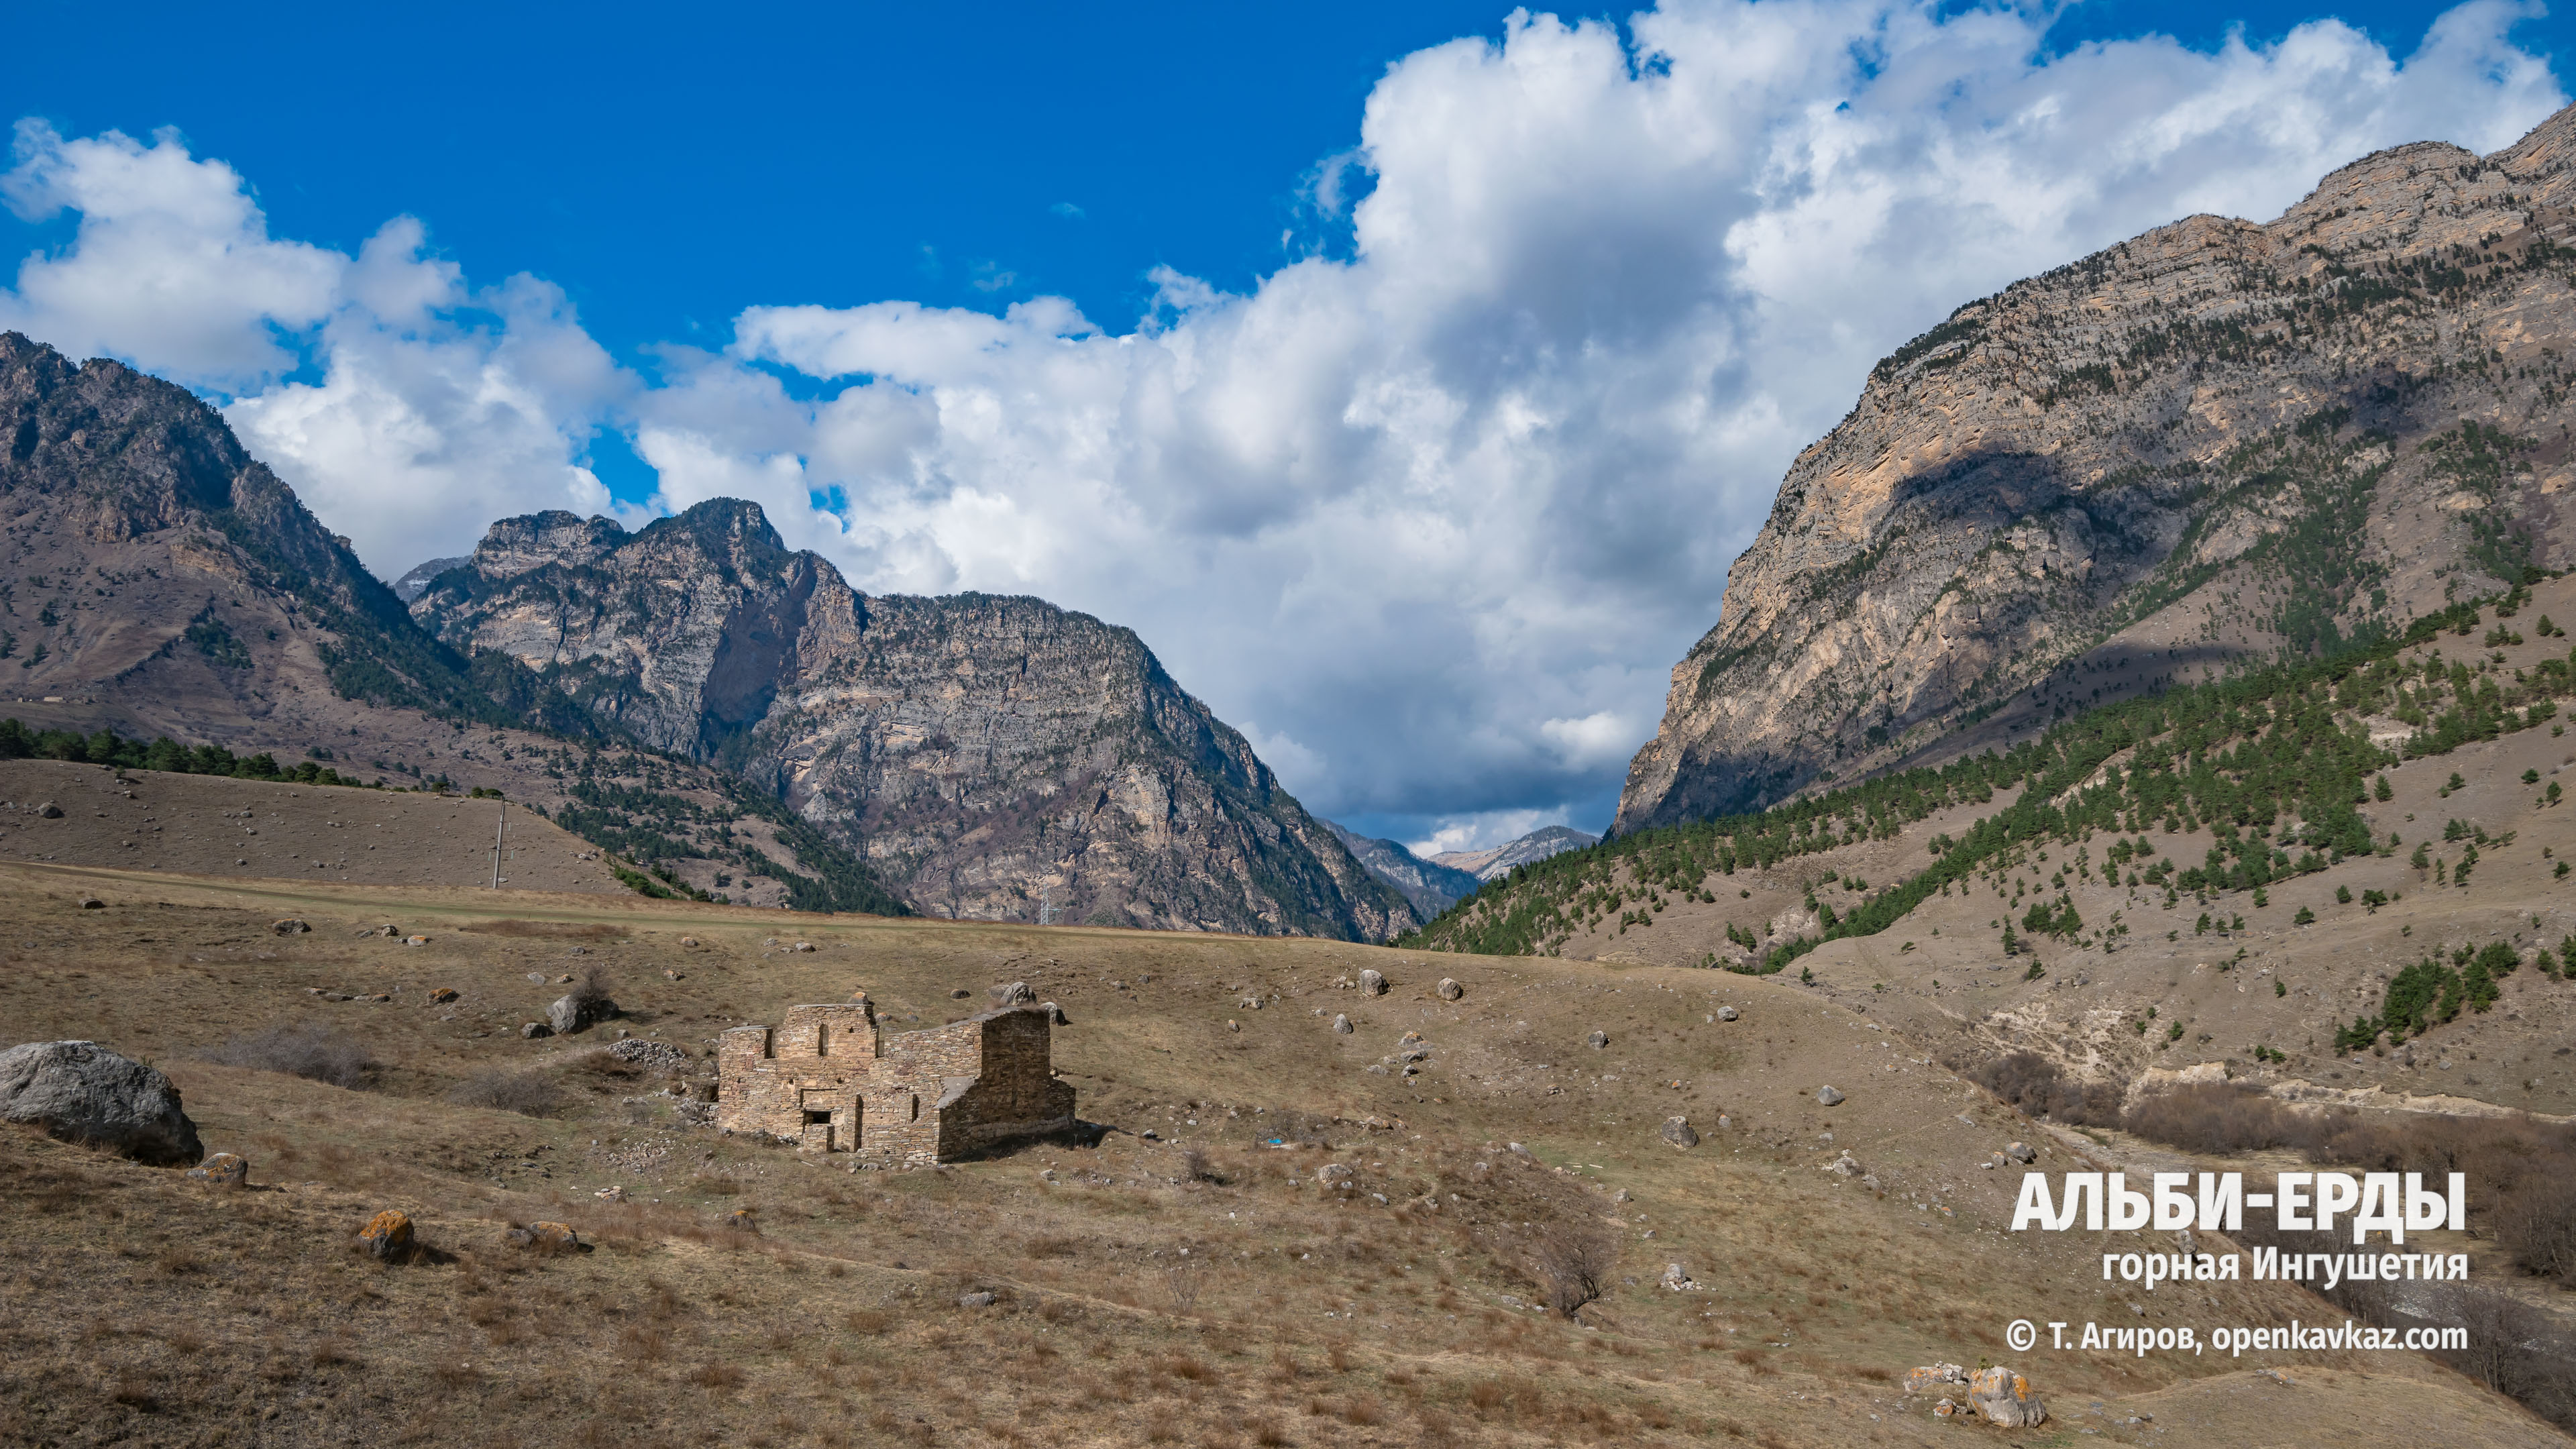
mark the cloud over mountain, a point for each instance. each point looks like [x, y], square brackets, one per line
[1429, 512]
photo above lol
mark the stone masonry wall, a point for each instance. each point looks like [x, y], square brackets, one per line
[828, 1081]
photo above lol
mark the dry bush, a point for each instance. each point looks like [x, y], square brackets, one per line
[589, 990]
[2034, 1084]
[1196, 1166]
[1572, 1260]
[716, 1376]
[1183, 1281]
[528, 1093]
[2526, 1169]
[313, 1051]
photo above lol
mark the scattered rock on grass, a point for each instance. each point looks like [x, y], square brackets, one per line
[1372, 983]
[1598, 1040]
[79, 1091]
[536, 1029]
[50, 811]
[2020, 1152]
[1016, 993]
[742, 1221]
[1451, 990]
[1828, 1097]
[1935, 1378]
[1341, 1024]
[444, 994]
[1677, 1131]
[92, 903]
[1728, 1013]
[573, 1012]
[222, 1170]
[975, 1300]
[290, 926]
[2006, 1399]
[546, 1239]
[387, 1235]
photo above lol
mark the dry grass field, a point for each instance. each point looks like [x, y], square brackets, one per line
[1202, 1286]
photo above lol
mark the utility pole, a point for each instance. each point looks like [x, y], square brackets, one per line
[500, 831]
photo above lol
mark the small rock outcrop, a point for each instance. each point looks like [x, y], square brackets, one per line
[387, 1236]
[2006, 1399]
[79, 1091]
[222, 1170]
[1677, 1131]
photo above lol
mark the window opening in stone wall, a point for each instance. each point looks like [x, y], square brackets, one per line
[818, 1119]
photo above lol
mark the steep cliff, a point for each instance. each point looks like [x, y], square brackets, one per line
[989, 755]
[2215, 442]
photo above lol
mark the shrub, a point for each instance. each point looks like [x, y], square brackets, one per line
[528, 1093]
[312, 1051]
[1572, 1259]
[2034, 1084]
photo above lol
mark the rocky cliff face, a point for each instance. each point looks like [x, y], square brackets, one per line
[990, 755]
[2216, 440]
[157, 580]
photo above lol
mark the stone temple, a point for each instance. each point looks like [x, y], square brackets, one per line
[827, 1080]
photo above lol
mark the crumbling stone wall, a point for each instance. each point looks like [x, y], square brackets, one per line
[829, 1081]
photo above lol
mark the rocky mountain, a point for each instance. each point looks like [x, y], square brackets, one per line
[1498, 862]
[408, 587]
[157, 581]
[1430, 888]
[2220, 441]
[989, 756]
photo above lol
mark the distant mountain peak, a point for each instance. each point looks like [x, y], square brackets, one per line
[1539, 844]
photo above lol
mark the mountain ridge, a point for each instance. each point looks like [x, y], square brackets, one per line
[2095, 482]
[988, 755]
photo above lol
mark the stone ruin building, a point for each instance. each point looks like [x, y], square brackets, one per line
[828, 1081]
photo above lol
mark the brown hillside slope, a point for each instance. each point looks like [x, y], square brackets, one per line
[2093, 480]
[1396, 1311]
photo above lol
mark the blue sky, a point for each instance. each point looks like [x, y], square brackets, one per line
[1406, 376]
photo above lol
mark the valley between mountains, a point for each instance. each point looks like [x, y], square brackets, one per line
[2134, 744]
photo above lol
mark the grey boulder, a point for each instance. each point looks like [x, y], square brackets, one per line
[1451, 990]
[1677, 1131]
[572, 1012]
[79, 1091]
[1372, 983]
[1828, 1097]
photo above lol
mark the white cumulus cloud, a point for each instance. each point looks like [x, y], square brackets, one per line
[1439, 501]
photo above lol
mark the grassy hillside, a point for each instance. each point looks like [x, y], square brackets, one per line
[1204, 1286]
